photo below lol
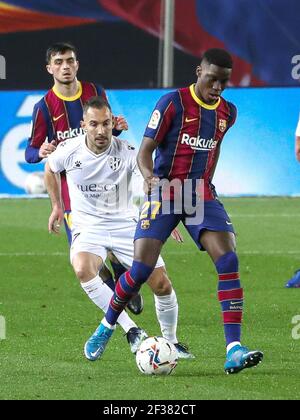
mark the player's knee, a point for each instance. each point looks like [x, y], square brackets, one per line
[228, 262]
[160, 283]
[84, 273]
[142, 254]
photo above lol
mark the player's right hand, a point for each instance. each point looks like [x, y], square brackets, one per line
[46, 149]
[55, 220]
[120, 123]
[150, 184]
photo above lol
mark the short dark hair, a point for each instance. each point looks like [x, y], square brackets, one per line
[59, 48]
[97, 102]
[218, 57]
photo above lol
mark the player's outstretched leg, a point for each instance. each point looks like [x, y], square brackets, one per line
[136, 303]
[86, 265]
[127, 286]
[230, 296]
[101, 294]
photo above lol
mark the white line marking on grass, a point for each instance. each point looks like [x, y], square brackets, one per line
[269, 253]
[33, 254]
[244, 253]
[181, 252]
[266, 215]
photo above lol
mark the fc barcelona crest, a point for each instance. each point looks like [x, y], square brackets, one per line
[145, 224]
[222, 125]
[114, 163]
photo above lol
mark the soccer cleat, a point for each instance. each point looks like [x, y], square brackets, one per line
[95, 346]
[183, 351]
[135, 336]
[239, 358]
[136, 304]
[294, 282]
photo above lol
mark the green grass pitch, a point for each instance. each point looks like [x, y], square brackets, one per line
[48, 318]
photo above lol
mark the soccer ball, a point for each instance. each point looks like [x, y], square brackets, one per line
[156, 356]
[34, 183]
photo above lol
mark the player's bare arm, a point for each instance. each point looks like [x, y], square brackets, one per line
[145, 163]
[52, 183]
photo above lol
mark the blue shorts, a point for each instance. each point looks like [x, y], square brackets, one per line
[153, 224]
[68, 225]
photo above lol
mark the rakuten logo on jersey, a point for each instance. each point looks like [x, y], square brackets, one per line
[197, 143]
[72, 132]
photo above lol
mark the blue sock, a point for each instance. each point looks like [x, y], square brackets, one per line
[128, 285]
[230, 296]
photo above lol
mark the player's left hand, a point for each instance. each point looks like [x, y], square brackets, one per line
[120, 123]
[55, 220]
[176, 235]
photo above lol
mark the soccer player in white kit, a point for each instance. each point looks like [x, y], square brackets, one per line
[99, 169]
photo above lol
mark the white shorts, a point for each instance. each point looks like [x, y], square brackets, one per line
[118, 240]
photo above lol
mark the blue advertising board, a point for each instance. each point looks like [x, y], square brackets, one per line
[257, 156]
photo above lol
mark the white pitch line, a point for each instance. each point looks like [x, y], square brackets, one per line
[180, 252]
[269, 253]
[266, 215]
[244, 252]
[33, 254]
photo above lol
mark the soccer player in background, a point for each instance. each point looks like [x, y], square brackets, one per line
[99, 170]
[186, 131]
[294, 282]
[56, 118]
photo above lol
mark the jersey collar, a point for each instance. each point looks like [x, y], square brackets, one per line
[69, 98]
[107, 151]
[201, 103]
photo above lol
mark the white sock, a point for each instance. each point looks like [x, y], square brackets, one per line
[167, 315]
[107, 324]
[101, 295]
[231, 345]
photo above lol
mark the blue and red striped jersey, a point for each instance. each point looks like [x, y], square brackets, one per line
[56, 117]
[188, 133]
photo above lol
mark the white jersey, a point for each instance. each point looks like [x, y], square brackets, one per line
[99, 185]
